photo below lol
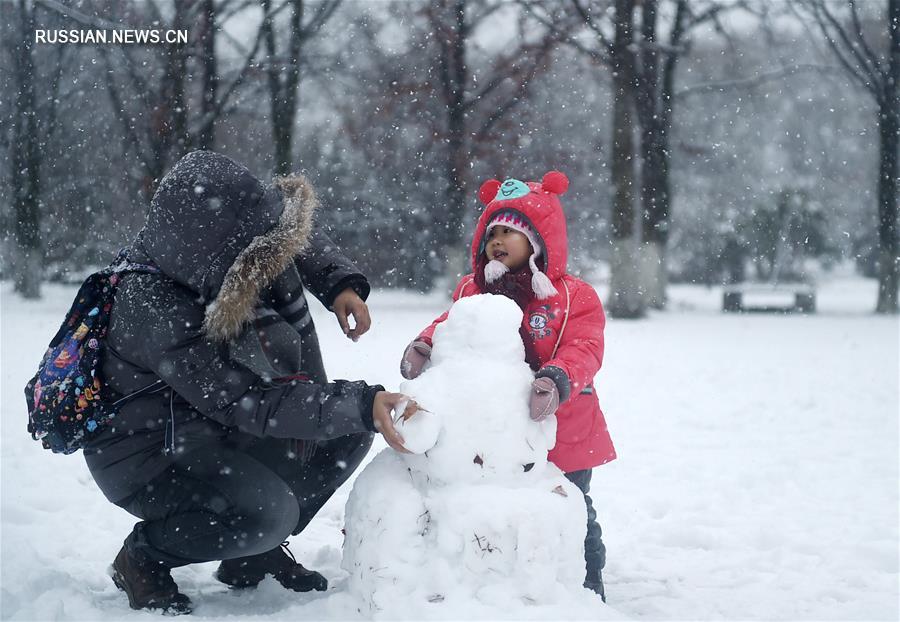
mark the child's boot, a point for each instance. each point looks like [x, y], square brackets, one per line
[594, 582]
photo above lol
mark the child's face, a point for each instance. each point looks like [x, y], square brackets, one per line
[508, 246]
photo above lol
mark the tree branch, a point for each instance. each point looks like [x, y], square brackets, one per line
[79, 17]
[324, 12]
[565, 36]
[847, 66]
[750, 82]
[876, 63]
[519, 93]
[219, 108]
[848, 44]
[119, 110]
[589, 21]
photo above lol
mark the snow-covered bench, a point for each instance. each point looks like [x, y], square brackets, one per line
[769, 297]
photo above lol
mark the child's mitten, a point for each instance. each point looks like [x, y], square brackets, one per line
[414, 358]
[544, 398]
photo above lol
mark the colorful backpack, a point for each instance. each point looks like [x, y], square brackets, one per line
[68, 401]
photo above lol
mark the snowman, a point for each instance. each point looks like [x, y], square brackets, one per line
[475, 514]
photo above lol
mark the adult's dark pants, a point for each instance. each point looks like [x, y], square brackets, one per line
[243, 497]
[594, 549]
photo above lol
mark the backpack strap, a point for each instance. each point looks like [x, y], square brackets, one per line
[120, 266]
[123, 264]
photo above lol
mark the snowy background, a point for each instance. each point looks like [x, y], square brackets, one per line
[757, 475]
[398, 114]
[758, 453]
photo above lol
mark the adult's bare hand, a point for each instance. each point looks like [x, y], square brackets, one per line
[383, 419]
[349, 303]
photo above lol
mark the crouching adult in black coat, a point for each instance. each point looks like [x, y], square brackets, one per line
[237, 438]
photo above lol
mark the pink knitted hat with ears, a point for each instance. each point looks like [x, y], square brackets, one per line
[495, 269]
[540, 218]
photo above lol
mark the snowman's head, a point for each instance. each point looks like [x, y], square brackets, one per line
[477, 391]
[485, 325]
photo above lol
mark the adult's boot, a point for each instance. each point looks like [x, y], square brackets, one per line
[148, 585]
[248, 571]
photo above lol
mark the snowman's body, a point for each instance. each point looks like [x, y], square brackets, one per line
[481, 514]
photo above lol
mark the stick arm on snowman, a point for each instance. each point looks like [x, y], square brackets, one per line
[419, 433]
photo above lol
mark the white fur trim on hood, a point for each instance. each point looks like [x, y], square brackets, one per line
[267, 256]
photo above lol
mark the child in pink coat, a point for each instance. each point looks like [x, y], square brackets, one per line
[519, 250]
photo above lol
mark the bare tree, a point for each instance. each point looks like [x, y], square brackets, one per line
[26, 160]
[147, 90]
[206, 131]
[33, 124]
[474, 103]
[604, 32]
[655, 83]
[643, 59]
[434, 107]
[160, 117]
[655, 93]
[625, 299]
[877, 69]
[283, 63]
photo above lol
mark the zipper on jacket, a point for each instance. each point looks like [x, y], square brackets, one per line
[169, 445]
[159, 384]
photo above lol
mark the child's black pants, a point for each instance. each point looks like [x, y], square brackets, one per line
[594, 549]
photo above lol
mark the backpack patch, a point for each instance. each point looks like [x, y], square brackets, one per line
[68, 401]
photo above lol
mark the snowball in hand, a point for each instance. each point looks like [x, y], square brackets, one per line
[420, 432]
[476, 517]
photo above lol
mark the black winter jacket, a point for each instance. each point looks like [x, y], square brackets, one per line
[225, 326]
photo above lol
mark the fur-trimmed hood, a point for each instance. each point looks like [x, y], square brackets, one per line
[214, 228]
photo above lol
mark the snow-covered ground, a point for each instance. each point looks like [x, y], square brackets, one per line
[757, 477]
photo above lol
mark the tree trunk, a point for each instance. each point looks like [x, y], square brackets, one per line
[207, 136]
[646, 103]
[177, 140]
[26, 165]
[283, 137]
[653, 279]
[656, 88]
[655, 200]
[455, 74]
[28, 275]
[169, 138]
[451, 231]
[889, 131]
[625, 298]
[284, 79]
[455, 195]
[889, 249]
